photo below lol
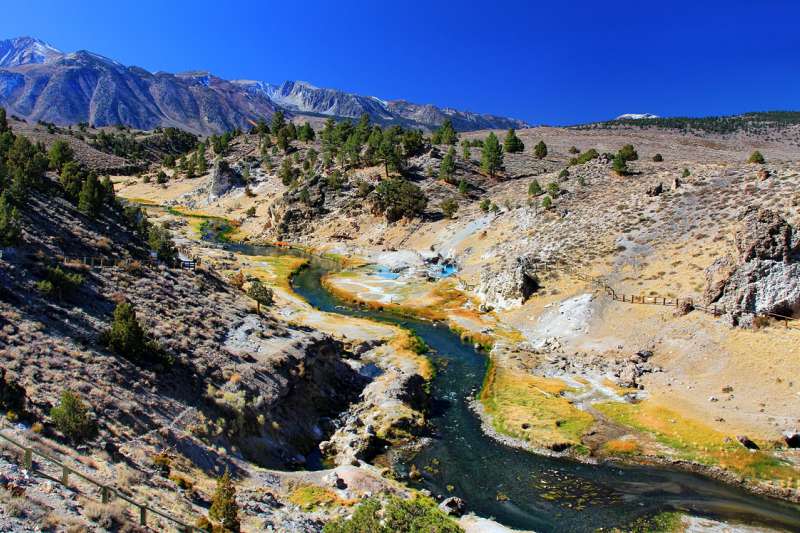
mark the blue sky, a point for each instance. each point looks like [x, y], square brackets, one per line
[545, 62]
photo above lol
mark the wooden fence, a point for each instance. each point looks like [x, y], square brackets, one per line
[107, 492]
[547, 266]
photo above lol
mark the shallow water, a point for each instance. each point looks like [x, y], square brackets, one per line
[522, 489]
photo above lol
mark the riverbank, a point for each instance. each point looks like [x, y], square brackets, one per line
[529, 407]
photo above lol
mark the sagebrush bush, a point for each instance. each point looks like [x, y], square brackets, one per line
[71, 417]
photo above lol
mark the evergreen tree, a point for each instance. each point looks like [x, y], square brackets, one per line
[90, 198]
[282, 139]
[512, 143]
[306, 133]
[540, 150]
[466, 152]
[463, 187]
[71, 417]
[628, 153]
[492, 155]
[553, 190]
[534, 189]
[291, 130]
[389, 152]
[658, 158]
[619, 165]
[161, 243]
[278, 121]
[397, 198]
[60, 154]
[224, 508]
[447, 134]
[3, 120]
[71, 178]
[9, 221]
[127, 337]
[449, 207]
[547, 202]
[448, 166]
[261, 294]
[756, 158]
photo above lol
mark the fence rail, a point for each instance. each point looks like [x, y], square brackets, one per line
[107, 492]
[715, 310]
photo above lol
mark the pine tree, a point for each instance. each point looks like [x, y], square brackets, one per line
[127, 337]
[619, 165]
[306, 133]
[3, 120]
[9, 221]
[466, 151]
[756, 158]
[547, 202]
[534, 189]
[540, 150]
[71, 417]
[224, 508]
[60, 154]
[463, 187]
[628, 153]
[278, 121]
[449, 207]
[512, 143]
[261, 294]
[446, 134]
[282, 139]
[90, 198]
[448, 166]
[492, 155]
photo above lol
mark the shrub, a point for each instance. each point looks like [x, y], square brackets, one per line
[534, 189]
[261, 294]
[585, 157]
[161, 177]
[393, 516]
[573, 150]
[224, 508]
[512, 143]
[161, 243]
[564, 174]
[9, 221]
[756, 158]
[553, 189]
[397, 198]
[251, 211]
[58, 282]
[619, 165]
[485, 205]
[12, 395]
[71, 417]
[658, 158]
[628, 153]
[127, 338]
[463, 187]
[449, 207]
[540, 150]
[547, 202]
[685, 173]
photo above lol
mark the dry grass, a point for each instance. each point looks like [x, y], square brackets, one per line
[533, 408]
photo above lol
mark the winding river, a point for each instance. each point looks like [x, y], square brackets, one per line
[521, 489]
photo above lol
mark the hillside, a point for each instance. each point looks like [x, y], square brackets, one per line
[654, 231]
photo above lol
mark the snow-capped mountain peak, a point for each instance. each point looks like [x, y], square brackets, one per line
[26, 50]
[636, 116]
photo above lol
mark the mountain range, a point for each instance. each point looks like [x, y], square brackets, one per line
[41, 83]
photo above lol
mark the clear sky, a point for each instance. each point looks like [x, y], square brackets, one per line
[553, 62]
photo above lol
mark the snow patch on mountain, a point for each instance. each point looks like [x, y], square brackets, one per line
[636, 116]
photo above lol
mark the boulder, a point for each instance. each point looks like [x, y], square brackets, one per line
[509, 286]
[655, 190]
[745, 441]
[792, 438]
[223, 180]
[765, 275]
[453, 506]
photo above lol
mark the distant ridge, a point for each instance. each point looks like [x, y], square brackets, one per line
[38, 82]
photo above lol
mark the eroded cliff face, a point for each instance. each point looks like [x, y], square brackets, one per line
[765, 276]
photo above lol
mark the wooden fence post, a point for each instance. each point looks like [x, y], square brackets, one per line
[28, 460]
[104, 496]
[65, 476]
[142, 515]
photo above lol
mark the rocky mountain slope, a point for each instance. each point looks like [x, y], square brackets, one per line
[41, 83]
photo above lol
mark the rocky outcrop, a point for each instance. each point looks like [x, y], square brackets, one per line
[765, 277]
[223, 180]
[510, 285]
